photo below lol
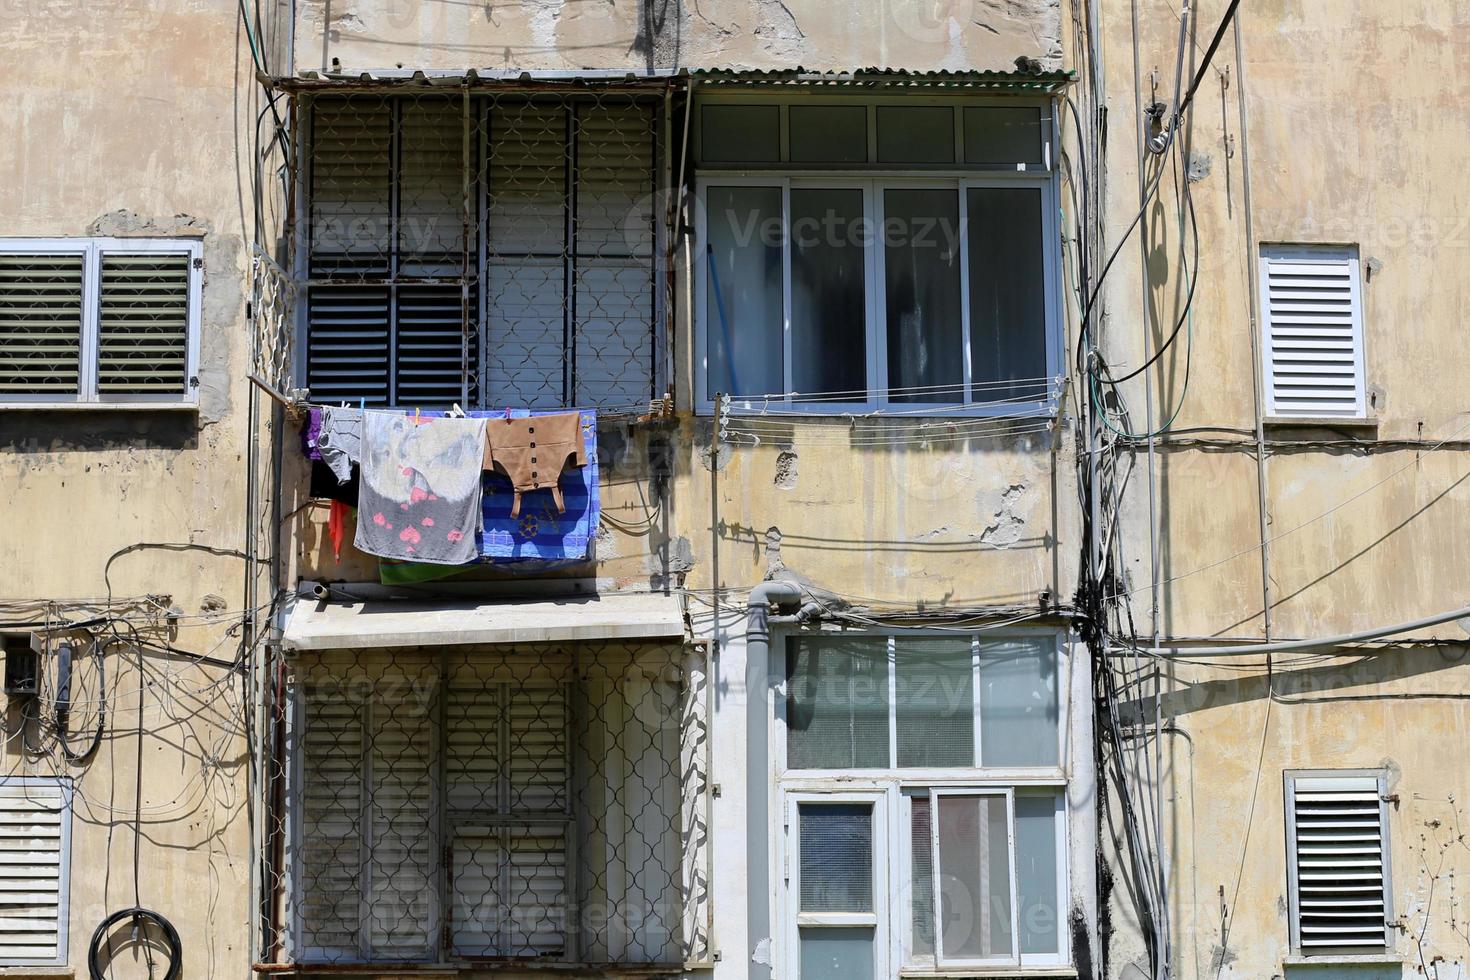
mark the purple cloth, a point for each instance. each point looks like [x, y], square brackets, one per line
[309, 433]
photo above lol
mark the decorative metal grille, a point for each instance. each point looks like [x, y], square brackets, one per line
[487, 249]
[272, 300]
[531, 803]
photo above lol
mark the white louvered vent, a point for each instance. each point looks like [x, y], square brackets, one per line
[1340, 898]
[143, 323]
[33, 844]
[41, 323]
[1312, 313]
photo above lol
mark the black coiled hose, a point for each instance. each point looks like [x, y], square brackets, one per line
[170, 937]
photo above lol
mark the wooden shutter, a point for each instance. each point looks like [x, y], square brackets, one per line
[41, 323]
[1313, 331]
[1338, 849]
[34, 840]
[143, 324]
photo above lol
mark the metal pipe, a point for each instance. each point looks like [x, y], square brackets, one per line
[1257, 362]
[785, 596]
[1287, 646]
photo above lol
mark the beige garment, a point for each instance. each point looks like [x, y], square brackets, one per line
[533, 452]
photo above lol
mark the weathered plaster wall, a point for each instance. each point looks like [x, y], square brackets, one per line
[639, 34]
[121, 120]
[1351, 140]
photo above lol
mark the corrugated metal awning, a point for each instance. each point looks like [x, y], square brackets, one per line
[1030, 78]
[325, 625]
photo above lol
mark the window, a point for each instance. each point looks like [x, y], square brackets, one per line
[1338, 861]
[491, 252]
[505, 804]
[871, 252]
[36, 811]
[1312, 314]
[923, 803]
[99, 321]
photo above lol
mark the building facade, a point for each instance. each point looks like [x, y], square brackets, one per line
[1001, 525]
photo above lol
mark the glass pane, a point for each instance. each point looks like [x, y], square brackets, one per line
[934, 693]
[974, 878]
[740, 133]
[1003, 134]
[837, 703]
[743, 318]
[836, 857]
[921, 861]
[1007, 293]
[1036, 872]
[915, 134]
[836, 953]
[921, 273]
[1018, 703]
[828, 133]
[828, 292]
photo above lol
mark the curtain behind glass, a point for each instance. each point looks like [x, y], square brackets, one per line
[744, 309]
[837, 703]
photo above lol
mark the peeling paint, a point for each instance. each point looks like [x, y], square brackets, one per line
[786, 462]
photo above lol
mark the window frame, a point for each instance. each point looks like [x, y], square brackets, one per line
[1266, 254]
[92, 250]
[896, 787]
[874, 178]
[881, 918]
[476, 275]
[1293, 886]
[63, 885]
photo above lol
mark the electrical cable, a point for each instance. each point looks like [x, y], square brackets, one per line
[137, 914]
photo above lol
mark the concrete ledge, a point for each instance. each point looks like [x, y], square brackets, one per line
[324, 625]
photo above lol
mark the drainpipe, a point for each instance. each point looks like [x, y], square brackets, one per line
[782, 596]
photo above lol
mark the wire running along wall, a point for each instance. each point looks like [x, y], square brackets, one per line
[488, 249]
[533, 803]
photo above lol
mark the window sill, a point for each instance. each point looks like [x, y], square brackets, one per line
[1059, 972]
[98, 406]
[1345, 959]
[45, 972]
[1320, 422]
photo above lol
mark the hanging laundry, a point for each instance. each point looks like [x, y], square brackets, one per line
[336, 527]
[324, 485]
[339, 439]
[420, 497]
[540, 532]
[309, 431]
[533, 451]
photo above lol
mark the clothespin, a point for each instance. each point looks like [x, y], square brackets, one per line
[507, 411]
[415, 415]
[362, 404]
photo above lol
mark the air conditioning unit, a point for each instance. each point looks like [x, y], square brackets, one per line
[22, 663]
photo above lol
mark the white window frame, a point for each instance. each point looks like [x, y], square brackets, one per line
[92, 251]
[1293, 889]
[63, 888]
[874, 178]
[895, 787]
[1270, 252]
[880, 919]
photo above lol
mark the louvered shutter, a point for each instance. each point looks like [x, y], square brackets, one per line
[349, 334]
[34, 840]
[332, 838]
[1311, 304]
[41, 323]
[1338, 845]
[143, 323]
[613, 341]
[525, 336]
